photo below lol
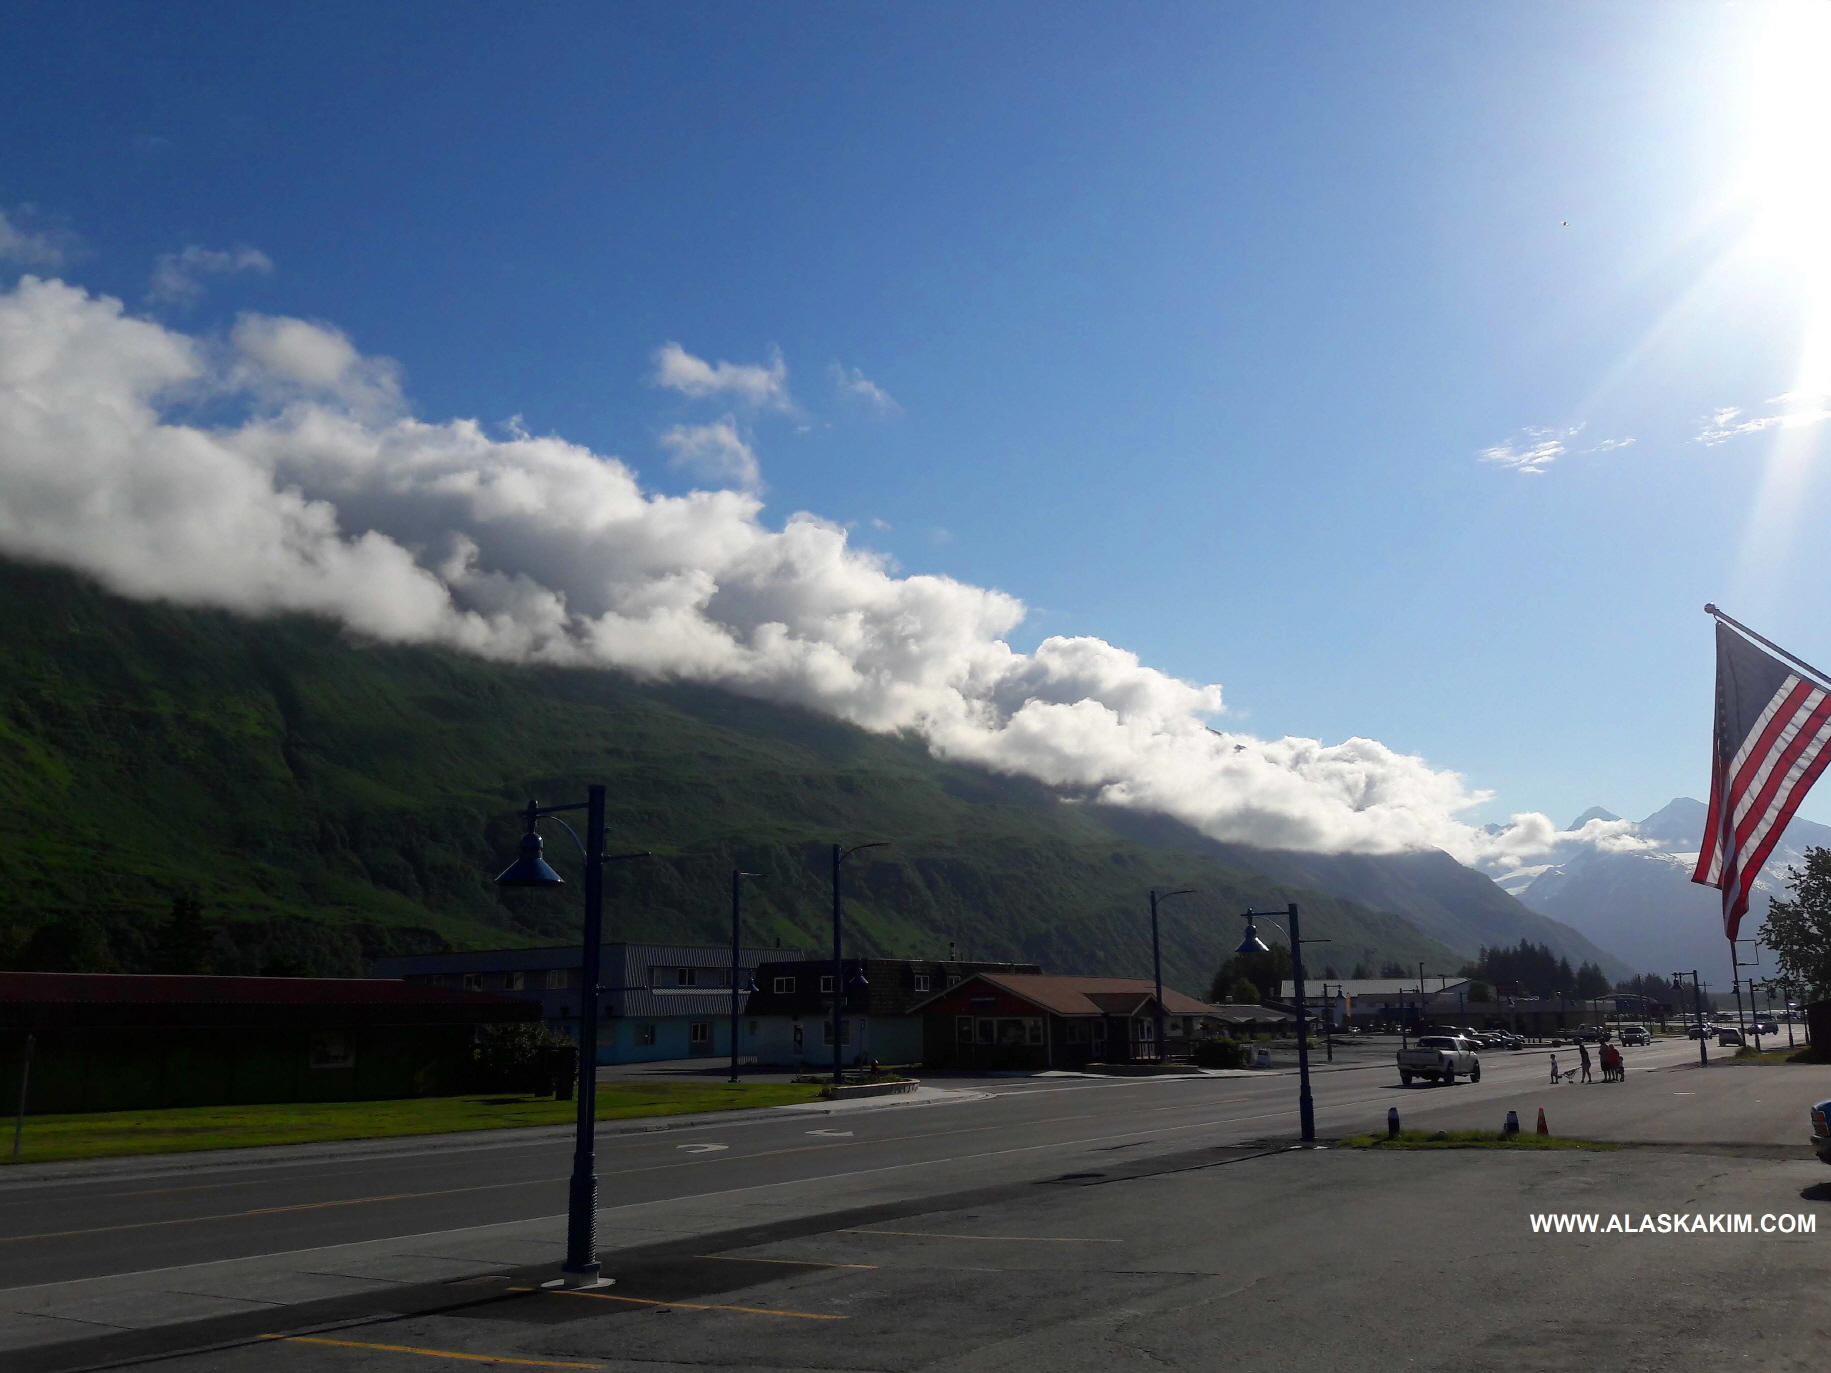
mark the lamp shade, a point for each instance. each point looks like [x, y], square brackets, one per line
[1252, 943]
[530, 869]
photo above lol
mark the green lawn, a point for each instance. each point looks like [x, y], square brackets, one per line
[111, 1133]
[1469, 1139]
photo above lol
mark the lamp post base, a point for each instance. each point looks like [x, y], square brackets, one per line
[575, 1282]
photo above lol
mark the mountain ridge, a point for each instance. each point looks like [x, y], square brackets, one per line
[305, 784]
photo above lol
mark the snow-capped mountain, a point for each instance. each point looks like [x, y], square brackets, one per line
[1643, 906]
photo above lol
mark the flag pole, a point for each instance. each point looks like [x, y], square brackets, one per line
[1735, 624]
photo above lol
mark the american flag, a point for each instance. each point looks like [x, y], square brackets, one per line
[1773, 738]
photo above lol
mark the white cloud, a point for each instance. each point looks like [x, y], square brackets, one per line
[715, 452]
[1530, 450]
[763, 387]
[31, 248]
[325, 495]
[176, 275]
[849, 381]
[1802, 408]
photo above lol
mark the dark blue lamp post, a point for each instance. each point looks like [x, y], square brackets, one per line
[1157, 956]
[1306, 1107]
[839, 973]
[530, 870]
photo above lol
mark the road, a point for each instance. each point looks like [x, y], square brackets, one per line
[1048, 1225]
[87, 1227]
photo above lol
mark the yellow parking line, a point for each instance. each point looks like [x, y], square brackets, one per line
[802, 1264]
[686, 1305]
[432, 1353]
[1022, 1239]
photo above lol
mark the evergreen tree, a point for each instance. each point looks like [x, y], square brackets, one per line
[1799, 928]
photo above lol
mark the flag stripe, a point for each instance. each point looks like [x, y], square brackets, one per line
[1772, 741]
[1758, 790]
[1809, 769]
[1808, 760]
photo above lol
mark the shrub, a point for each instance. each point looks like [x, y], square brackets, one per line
[1220, 1053]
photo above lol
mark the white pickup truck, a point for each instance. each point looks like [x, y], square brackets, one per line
[1440, 1058]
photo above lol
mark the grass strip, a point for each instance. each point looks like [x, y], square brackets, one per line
[1469, 1139]
[1768, 1058]
[110, 1134]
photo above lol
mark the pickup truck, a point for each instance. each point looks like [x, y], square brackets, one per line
[1440, 1058]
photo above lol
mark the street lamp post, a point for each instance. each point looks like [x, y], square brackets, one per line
[530, 870]
[839, 973]
[1306, 1106]
[1697, 993]
[737, 887]
[1157, 957]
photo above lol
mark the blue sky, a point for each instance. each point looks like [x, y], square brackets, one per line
[1197, 320]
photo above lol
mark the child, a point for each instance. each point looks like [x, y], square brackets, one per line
[1583, 1052]
[1554, 1070]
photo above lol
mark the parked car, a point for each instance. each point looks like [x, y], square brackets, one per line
[1441, 1059]
[1729, 1039]
[1636, 1035]
[1821, 1132]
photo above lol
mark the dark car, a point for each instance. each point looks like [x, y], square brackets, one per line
[1821, 1132]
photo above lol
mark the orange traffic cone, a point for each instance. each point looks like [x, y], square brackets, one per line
[1542, 1129]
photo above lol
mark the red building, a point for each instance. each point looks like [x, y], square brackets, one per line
[1017, 1020]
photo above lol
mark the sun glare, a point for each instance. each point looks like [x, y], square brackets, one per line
[1788, 170]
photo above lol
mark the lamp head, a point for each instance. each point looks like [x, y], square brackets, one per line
[529, 869]
[1252, 943]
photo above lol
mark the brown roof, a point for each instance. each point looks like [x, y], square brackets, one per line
[1086, 995]
[99, 999]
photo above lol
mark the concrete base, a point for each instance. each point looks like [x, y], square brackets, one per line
[580, 1282]
[864, 1089]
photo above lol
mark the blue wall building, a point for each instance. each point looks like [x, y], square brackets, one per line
[661, 1001]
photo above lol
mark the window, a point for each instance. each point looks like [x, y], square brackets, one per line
[331, 1051]
[700, 1032]
[784, 985]
[556, 979]
[1144, 1031]
[921, 982]
[1077, 1032]
[473, 982]
[826, 983]
[686, 977]
[963, 1029]
[953, 979]
[983, 1027]
[1033, 1030]
[645, 1035]
[514, 982]
[1010, 1032]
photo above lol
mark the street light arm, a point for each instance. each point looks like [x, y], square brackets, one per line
[860, 848]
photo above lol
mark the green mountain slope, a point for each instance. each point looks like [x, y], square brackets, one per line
[328, 800]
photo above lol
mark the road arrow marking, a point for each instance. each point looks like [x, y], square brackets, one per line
[702, 1148]
[832, 1134]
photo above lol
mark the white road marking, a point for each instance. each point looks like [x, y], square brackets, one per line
[832, 1134]
[702, 1148]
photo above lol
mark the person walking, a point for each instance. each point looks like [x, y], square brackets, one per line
[1554, 1070]
[1583, 1053]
